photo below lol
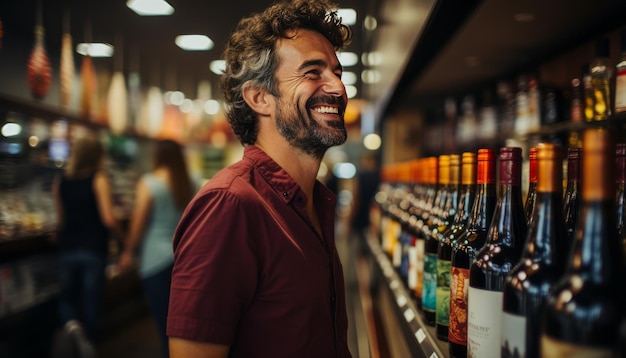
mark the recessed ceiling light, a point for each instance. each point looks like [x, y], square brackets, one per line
[150, 7]
[348, 58]
[348, 16]
[524, 17]
[194, 42]
[95, 49]
[218, 67]
[348, 78]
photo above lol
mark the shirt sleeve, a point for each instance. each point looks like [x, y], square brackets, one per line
[215, 269]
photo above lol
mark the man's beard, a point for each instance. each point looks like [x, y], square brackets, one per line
[303, 132]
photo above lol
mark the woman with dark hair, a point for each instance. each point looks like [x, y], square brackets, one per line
[85, 207]
[161, 197]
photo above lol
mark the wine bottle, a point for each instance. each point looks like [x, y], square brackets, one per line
[571, 199]
[429, 167]
[620, 76]
[531, 195]
[429, 293]
[601, 76]
[543, 260]
[585, 308]
[620, 182]
[464, 252]
[501, 252]
[442, 312]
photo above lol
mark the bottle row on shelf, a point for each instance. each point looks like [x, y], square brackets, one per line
[521, 107]
[498, 275]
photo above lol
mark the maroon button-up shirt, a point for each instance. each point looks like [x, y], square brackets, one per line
[250, 270]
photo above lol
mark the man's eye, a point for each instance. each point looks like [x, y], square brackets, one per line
[313, 73]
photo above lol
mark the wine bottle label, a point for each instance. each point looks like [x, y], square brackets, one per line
[459, 284]
[419, 267]
[552, 348]
[513, 335]
[396, 256]
[620, 91]
[412, 277]
[442, 315]
[429, 293]
[484, 323]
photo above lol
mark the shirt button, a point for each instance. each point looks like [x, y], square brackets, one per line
[285, 194]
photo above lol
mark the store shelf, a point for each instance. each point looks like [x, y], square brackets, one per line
[419, 336]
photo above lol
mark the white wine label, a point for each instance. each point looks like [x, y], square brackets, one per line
[552, 348]
[484, 323]
[513, 335]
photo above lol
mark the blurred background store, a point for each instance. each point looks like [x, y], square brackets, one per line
[424, 77]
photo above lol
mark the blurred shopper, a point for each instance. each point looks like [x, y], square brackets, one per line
[366, 185]
[161, 197]
[85, 219]
[256, 270]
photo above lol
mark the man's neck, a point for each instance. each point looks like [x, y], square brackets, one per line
[303, 168]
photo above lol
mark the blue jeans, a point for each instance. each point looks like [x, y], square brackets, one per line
[157, 290]
[81, 281]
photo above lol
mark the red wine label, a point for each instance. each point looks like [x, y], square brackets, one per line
[513, 335]
[442, 314]
[459, 285]
[419, 268]
[484, 323]
[429, 293]
[552, 348]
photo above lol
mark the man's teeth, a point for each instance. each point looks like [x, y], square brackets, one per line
[334, 110]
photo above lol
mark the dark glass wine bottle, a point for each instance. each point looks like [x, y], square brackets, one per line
[501, 252]
[531, 195]
[585, 308]
[543, 260]
[442, 312]
[620, 182]
[571, 199]
[464, 252]
[429, 170]
[429, 290]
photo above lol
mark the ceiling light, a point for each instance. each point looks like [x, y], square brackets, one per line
[370, 23]
[348, 58]
[150, 7]
[194, 42]
[348, 16]
[218, 67]
[372, 141]
[348, 78]
[370, 76]
[95, 49]
[351, 91]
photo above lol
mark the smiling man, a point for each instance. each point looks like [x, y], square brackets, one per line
[256, 270]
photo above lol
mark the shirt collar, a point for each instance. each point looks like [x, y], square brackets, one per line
[280, 181]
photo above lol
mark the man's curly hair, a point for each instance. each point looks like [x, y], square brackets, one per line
[251, 60]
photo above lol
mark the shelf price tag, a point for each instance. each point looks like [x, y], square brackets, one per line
[401, 300]
[409, 315]
[394, 284]
[420, 335]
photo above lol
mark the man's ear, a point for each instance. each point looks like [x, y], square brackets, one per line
[257, 98]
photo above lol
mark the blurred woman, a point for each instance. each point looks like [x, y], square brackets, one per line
[85, 220]
[161, 196]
